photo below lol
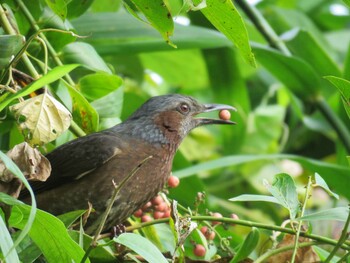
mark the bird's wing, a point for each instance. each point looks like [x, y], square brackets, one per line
[77, 158]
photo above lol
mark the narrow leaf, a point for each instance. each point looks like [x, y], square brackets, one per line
[248, 246]
[249, 198]
[284, 190]
[225, 17]
[6, 244]
[53, 75]
[322, 183]
[142, 246]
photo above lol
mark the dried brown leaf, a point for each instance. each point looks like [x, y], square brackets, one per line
[30, 161]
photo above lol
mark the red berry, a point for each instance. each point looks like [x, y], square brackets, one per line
[224, 115]
[146, 218]
[161, 207]
[138, 213]
[217, 215]
[158, 214]
[167, 213]
[234, 216]
[173, 181]
[146, 206]
[199, 250]
[157, 200]
[208, 233]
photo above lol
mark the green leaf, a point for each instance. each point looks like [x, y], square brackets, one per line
[254, 198]
[82, 111]
[347, 2]
[284, 190]
[225, 17]
[53, 75]
[59, 7]
[343, 87]
[13, 168]
[158, 14]
[6, 244]
[50, 235]
[293, 72]
[111, 105]
[101, 253]
[248, 246]
[338, 213]
[141, 246]
[9, 47]
[131, 36]
[84, 54]
[322, 183]
[95, 86]
[69, 218]
[305, 46]
[78, 7]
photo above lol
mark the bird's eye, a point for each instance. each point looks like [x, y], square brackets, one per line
[184, 108]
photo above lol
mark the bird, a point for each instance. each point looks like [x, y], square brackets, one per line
[86, 170]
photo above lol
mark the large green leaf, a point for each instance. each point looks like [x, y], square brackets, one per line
[158, 14]
[53, 75]
[337, 176]
[225, 17]
[59, 7]
[304, 45]
[293, 72]
[49, 234]
[338, 213]
[128, 35]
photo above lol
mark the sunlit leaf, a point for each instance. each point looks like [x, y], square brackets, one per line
[158, 14]
[6, 243]
[41, 119]
[225, 17]
[142, 246]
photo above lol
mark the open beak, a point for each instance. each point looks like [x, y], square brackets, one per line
[214, 107]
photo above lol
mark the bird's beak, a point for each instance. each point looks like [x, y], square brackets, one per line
[214, 107]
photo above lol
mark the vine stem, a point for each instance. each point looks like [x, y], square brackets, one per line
[296, 242]
[320, 239]
[35, 26]
[110, 205]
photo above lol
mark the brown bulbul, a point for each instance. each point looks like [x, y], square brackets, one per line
[83, 170]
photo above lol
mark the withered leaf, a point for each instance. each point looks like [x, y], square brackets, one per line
[30, 161]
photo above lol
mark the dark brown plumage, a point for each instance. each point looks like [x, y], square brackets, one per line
[83, 169]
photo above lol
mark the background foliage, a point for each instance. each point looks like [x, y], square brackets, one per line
[289, 84]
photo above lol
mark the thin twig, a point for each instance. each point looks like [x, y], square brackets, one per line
[109, 207]
[307, 196]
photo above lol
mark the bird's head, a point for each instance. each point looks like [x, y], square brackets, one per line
[174, 116]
